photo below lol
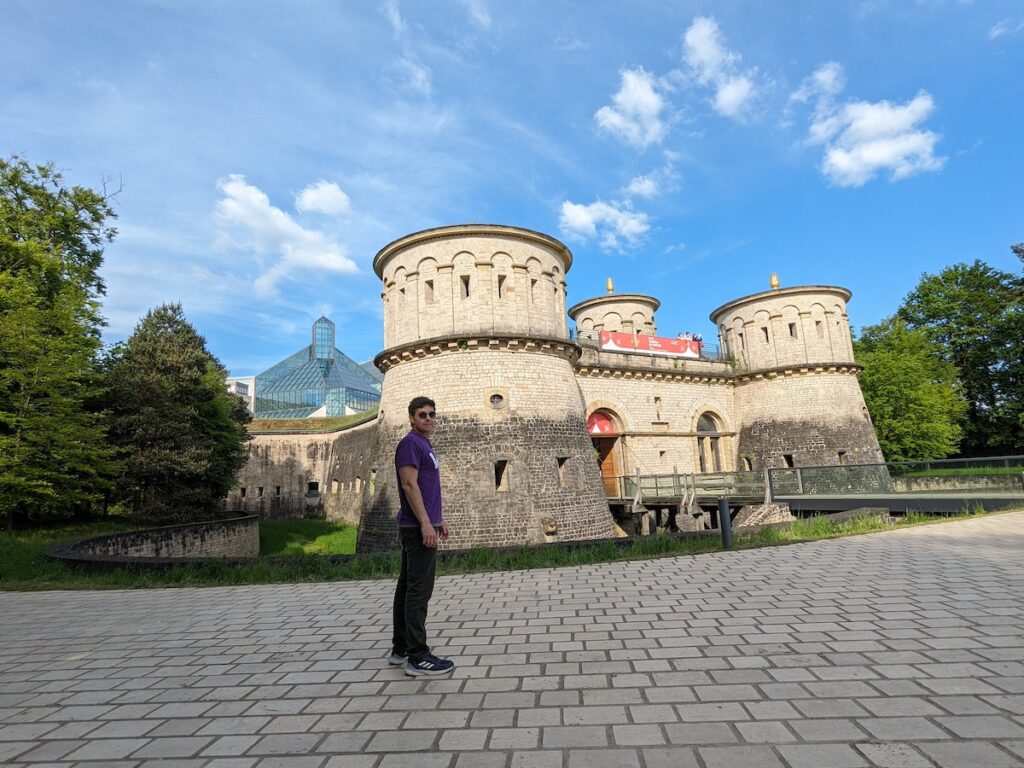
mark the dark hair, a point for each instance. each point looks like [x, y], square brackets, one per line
[419, 402]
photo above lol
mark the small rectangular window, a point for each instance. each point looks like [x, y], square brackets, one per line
[428, 291]
[740, 336]
[787, 458]
[501, 286]
[562, 469]
[259, 491]
[842, 457]
[501, 475]
[819, 329]
[748, 465]
[533, 290]
[792, 330]
[277, 490]
[313, 487]
[764, 330]
[464, 280]
[243, 492]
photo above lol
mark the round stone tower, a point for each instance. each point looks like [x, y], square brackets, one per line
[621, 313]
[474, 318]
[797, 395]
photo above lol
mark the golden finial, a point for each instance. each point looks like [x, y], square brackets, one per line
[610, 286]
[773, 281]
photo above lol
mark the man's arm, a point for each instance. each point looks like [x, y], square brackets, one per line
[407, 476]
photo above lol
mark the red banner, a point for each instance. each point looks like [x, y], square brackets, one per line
[600, 423]
[650, 345]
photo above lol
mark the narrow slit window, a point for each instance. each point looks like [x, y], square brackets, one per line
[764, 330]
[465, 286]
[533, 290]
[277, 490]
[501, 286]
[563, 469]
[501, 475]
[792, 330]
[819, 329]
[787, 459]
[748, 465]
[842, 457]
[428, 291]
[740, 337]
[243, 492]
[259, 491]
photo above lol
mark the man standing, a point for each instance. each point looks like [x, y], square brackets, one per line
[419, 525]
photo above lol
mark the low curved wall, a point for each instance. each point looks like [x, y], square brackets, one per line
[237, 537]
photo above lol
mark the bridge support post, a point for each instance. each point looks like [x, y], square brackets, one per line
[725, 522]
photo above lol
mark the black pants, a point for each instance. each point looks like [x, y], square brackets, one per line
[415, 586]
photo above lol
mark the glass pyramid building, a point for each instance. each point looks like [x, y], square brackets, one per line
[319, 380]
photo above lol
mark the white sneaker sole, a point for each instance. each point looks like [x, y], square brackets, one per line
[414, 672]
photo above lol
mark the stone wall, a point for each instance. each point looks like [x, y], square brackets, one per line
[811, 416]
[276, 480]
[624, 313]
[237, 537]
[805, 324]
[658, 407]
[473, 278]
[536, 433]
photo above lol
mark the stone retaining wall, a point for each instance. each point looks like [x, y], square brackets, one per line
[234, 538]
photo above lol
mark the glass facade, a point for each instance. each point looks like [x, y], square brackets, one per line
[318, 377]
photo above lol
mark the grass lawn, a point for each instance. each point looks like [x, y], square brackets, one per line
[306, 537]
[298, 546]
[325, 424]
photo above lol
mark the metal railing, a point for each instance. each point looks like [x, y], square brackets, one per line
[1000, 475]
[691, 486]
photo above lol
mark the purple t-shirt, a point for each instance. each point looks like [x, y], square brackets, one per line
[414, 450]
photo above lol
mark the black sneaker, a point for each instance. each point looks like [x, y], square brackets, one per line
[428, 665]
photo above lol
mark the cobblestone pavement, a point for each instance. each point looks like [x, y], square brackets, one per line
[897, 649]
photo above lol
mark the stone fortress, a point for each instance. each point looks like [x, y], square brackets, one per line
[538, 424]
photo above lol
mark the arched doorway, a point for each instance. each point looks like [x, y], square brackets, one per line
[709, 439]
[605, 431]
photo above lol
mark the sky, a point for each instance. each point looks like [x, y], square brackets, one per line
[261, 153]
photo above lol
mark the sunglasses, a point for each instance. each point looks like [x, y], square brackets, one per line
[426, 415]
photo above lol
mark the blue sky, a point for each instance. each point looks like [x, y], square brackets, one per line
[265, 151]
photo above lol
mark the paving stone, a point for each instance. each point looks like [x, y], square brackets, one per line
[669, 757]
[827, 730]
[894, 755]
[765, 732]
[968, 754]
[700, 733]
[982, 727]
[537, 759]
[740, 757]
[901, 728]
[603, 758]
[574, 736]
[820, 755]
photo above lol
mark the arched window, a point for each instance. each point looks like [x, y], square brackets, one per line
[709, 453]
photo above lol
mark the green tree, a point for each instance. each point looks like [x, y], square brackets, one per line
[53, 455]
[975, 316]
[912, 394]
[182, 433]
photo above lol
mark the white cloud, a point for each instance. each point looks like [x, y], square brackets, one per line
[827, 82]
[414, 75]
[863, 139]
[323, 197]
[611, 224]
[478, 12]
[394, 17]
[715, 65]
[643, 186]
[636, 116]
[250, 223]
[1005, 27]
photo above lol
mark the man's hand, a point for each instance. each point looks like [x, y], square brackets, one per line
[444, 532]
[429, 536]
